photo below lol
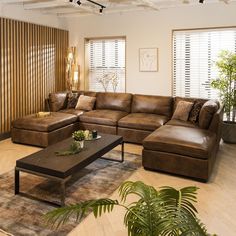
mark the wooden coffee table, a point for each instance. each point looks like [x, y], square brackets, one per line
[47, 164]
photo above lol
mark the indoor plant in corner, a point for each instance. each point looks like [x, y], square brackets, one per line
[155, 212]
[226, 84]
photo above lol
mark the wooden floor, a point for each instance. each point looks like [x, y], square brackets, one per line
[216, 199]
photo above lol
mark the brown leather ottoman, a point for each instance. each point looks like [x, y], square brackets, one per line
[43, 131]
[180, 150]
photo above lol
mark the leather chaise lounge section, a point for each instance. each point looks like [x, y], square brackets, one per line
[169, 145]
[184, 148]
[43, 132]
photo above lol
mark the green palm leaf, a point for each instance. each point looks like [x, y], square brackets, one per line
[167, 212]
[62, 215]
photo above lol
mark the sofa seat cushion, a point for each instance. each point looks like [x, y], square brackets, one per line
[142, 121]
[181, 140]
[182, 123]
[72, 111]
[45, 124]
[103, 117]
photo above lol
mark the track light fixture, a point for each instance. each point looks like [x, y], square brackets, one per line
[101, 10]
[201, 1]
[78, 2]
[98, 4]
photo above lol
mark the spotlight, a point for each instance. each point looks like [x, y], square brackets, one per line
[201, 1]
[101, 10]
[70, 0]
[78, 2]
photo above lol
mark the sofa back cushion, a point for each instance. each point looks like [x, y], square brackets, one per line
[89, 93]
[159, 105]
[207, 112]
[114, 101]
[57, 101]
[86, 93]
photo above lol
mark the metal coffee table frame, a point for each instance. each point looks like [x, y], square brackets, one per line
[61, 181]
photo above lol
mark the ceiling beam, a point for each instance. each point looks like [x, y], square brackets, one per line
[58, 10]
[59, 3]
[106, 12]
[14, 1]
[86, 9]
[225, 1]
[41, 5]
[146, 3]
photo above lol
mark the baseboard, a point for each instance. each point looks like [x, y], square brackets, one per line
[5, 136]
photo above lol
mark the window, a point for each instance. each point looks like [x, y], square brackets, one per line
[105, 64]
[194, 54]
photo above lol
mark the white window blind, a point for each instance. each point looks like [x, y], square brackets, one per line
[194, 54]
[106, 64]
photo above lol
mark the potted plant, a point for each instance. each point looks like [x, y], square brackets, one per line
[155, 212]
[226, 84]
[79, 137]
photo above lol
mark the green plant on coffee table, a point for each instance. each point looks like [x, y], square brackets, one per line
[78, 135]
[161, 212]
[73, 149]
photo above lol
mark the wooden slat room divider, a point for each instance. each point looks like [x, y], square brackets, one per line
[32, 64]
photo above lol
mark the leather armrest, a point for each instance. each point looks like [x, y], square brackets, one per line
[215, 125]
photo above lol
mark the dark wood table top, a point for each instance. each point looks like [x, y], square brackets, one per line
[48, 163]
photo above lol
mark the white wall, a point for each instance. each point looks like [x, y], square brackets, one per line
[149, 29]
[17, 12]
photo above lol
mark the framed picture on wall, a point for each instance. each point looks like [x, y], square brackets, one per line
[148, 59]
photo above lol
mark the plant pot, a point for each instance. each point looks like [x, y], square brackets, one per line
[229, 132]
[80, 144]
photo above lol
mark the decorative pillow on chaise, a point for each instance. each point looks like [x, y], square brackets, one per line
[194, 113]
[182, 110]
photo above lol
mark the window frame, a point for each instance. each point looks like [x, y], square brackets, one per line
[86, 60]
[172, 46]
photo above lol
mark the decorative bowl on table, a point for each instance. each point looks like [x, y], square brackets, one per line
[91, 135]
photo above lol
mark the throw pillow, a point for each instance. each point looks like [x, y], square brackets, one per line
[85, 103]
[209, 108]
[194, 113]
[182, 110]
[57, 101]
[72, 100]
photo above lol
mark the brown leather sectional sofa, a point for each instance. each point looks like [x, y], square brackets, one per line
[173, 146]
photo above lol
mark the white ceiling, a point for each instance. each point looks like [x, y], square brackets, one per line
[65, 8]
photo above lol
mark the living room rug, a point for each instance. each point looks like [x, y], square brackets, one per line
[23, 216]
